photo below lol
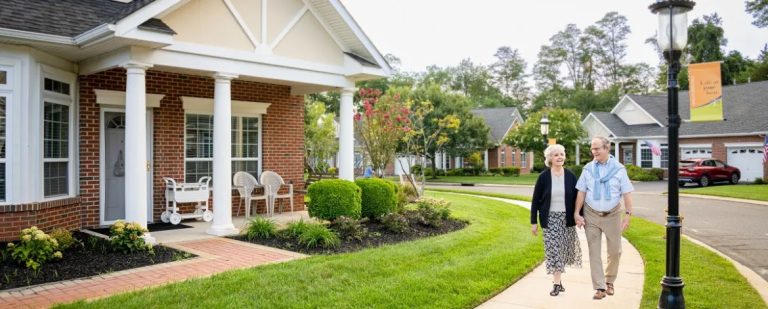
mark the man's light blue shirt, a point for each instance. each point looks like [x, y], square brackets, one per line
[619, 185]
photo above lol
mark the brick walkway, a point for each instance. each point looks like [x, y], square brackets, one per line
[215, 255]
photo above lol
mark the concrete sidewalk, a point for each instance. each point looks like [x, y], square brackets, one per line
[532, 291]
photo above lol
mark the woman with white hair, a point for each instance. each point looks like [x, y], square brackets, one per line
[554, 197]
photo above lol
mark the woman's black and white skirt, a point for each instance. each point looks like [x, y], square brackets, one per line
[561, 244]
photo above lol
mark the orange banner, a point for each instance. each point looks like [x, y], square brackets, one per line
[706, 91]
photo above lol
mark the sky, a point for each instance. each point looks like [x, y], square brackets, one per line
[443, 32]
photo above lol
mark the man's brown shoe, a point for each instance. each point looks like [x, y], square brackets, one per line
[599, 295]
[609, 289]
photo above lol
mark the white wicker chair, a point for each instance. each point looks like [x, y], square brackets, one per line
[245, 184]
[272, 183]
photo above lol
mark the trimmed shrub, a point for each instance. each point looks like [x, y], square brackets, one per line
[511, 171]
[378, 197]
[260, 228]
[659, 173]
[349, 229]
[318, 235]
[332, 198]
[126, 237]
[759, 181]
[332, 171]
[416, 169]
[64, 238]
[395, 222]
[539, 167]
[34, 248]
[455, 172]
[496, 171]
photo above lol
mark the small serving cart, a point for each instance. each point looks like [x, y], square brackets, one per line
[186, 193]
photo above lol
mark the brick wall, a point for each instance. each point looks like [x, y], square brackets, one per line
[282, 145]
[64, 213]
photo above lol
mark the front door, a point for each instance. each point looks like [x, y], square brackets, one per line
[113, 166]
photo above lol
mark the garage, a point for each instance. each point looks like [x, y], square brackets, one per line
[748, 159]
[695, 152]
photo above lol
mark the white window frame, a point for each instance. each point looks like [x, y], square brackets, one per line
[232, 158]
[7, 90]
[512, 158]
[4, 160]
[523, 159]
[69, 101]
[503, 155]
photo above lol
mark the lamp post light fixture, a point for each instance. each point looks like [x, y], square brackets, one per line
[672, 38]
[545, 129]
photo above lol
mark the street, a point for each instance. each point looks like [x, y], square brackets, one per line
[738, 230]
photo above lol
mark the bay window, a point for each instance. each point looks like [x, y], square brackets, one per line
[57, 137]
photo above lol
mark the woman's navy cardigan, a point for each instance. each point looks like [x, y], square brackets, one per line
[542, 194]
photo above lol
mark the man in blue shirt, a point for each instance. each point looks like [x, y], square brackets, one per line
[368, 173]
[602, 186]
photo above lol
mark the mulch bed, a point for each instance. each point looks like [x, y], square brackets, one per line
[93, 258]
[377, 235]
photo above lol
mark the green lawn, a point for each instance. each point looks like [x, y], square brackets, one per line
[491, 194]
[525, 179]
[750, 192]
[456, 270]
[710, 280]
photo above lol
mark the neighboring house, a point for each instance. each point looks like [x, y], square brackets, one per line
[738, 141]
[101, 99]
[501, 121]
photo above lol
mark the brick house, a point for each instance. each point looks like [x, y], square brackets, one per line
[101, 99]
[738, 141]
[500, 121]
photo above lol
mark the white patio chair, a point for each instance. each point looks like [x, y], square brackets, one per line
[272, 183]
[245, 184]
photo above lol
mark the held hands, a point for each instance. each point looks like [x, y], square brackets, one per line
[534, 229]
[579, 220]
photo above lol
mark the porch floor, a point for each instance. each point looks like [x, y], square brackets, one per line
[215, 255]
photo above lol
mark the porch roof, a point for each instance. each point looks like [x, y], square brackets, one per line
[745, 107]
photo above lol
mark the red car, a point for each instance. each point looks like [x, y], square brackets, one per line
[706, 171]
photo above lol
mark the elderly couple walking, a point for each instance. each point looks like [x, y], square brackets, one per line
[561, 203]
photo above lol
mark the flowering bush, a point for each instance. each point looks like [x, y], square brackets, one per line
[432, 211]
[34, 249]
[126, 237]
[381, 124]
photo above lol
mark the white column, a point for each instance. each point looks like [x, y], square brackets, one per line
[578, 155]
[136, 164]
[346, 136]
[222, 157]
[485, 159]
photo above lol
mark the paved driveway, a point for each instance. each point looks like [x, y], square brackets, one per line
[737, 229]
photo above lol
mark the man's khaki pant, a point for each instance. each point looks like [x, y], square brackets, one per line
[596, 225]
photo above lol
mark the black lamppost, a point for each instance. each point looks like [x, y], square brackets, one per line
[673, 37]
[545, 129]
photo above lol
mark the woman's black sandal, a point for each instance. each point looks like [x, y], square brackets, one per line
[556, 289]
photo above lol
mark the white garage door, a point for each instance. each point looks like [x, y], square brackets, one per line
[748, 159]
[690, 153]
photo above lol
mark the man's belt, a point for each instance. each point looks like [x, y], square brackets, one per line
[601, 213]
